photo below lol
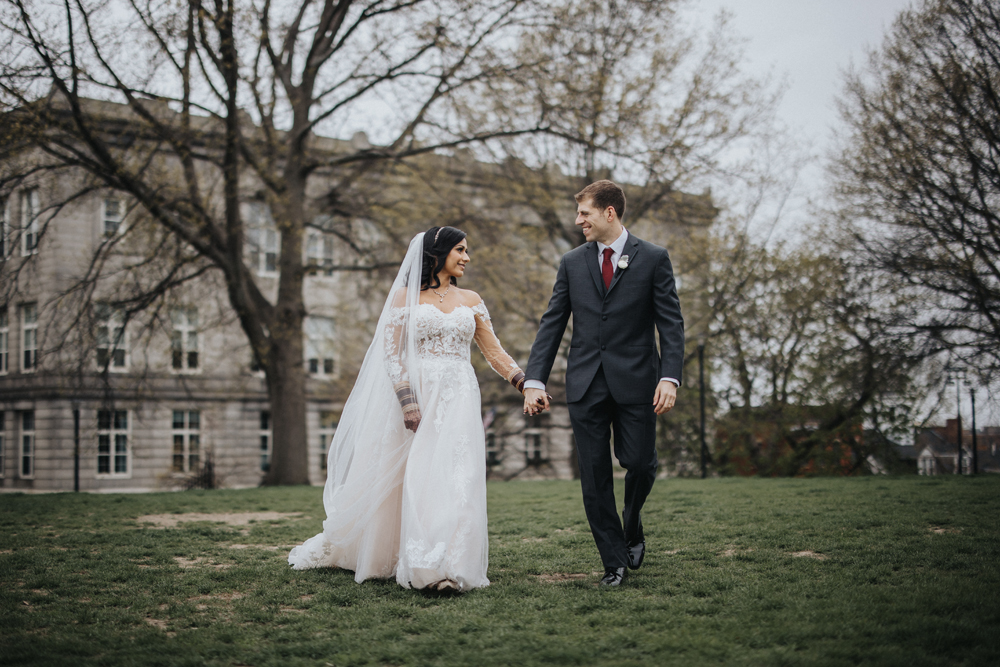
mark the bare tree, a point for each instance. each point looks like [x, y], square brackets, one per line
[216, 104]
[811, 353]
[630, 92]
[918, 172]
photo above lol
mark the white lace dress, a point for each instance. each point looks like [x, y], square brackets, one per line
[432, 524]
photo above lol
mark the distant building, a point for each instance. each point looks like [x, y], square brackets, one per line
[937, 449]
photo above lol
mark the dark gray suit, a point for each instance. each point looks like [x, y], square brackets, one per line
[611, 375]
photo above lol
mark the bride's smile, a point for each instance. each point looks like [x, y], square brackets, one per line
[454, 264]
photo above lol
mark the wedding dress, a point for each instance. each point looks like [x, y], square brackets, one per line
[411, 504]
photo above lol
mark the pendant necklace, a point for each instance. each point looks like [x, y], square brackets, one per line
[442, 296]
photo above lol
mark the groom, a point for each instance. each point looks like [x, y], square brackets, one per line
[619, 290]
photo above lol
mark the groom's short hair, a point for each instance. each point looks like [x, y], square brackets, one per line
[604, 194]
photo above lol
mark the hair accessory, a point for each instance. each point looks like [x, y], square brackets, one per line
[438, 234]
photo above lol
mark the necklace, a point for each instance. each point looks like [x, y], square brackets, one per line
[442, 296]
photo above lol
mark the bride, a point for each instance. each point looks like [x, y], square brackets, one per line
[406, 486]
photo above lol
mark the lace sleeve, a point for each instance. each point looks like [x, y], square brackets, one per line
[395, 341]
[489, 345]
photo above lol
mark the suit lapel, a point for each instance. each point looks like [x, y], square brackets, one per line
[595, 269]
[631, 249]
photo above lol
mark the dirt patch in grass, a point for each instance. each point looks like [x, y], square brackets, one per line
[266, 547]
[191, 563]
[672, 552]
[807, 554]
[533, 539]
[557, 577]
[225, 597]
[160, 625]
[729, 552]
[229, 518]
[941, 530]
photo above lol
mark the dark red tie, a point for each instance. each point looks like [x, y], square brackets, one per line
[607, 271]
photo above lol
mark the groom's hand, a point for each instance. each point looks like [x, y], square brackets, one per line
[535, 401]
[665, 396]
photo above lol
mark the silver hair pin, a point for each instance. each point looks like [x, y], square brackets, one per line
[438, 234]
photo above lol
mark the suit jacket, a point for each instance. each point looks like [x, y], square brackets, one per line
[613, 327]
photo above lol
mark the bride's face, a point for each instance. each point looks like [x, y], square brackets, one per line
[454, 264]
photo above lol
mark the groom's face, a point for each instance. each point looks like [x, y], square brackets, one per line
[597, 225]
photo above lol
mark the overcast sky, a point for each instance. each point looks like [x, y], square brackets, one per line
[811, 42]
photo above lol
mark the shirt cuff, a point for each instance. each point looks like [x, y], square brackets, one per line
[677, 383]
[534, 384]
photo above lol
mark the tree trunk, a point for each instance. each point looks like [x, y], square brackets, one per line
[286, 377]
[286, 385]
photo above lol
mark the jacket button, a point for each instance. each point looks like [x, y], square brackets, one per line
[604, 317]
[604, 347]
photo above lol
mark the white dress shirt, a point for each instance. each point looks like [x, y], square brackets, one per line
[616, 252]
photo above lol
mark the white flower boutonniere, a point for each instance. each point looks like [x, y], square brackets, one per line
[623, 262]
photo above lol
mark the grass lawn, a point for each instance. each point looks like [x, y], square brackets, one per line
[883, 571]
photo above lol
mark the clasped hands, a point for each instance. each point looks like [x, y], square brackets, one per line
[536, 401]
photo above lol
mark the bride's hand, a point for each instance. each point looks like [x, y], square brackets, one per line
[411, 420]
[536, 401]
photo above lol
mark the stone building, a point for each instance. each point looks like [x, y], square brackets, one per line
[158, 396]
[169, 397]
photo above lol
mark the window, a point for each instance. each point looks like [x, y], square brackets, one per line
[29, 221]
[319, 254]
[112, 214]
[29, 337]
[4, 232]
[4, 341]
[184, 339]
[112, 442]
[3, 450]
[534, 453]
[111, 342]
[494, 447]
[265, 440]
[187, 441]
[262, 239]
[319, 345]
[327, 428]
[27, 468]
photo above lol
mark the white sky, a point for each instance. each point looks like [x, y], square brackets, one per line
[809, 43]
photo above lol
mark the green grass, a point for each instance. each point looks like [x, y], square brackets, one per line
[909, 575]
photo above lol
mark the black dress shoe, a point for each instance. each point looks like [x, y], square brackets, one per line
[635, 552]
[613, 576]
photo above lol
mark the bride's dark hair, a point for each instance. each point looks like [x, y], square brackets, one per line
[438, 242]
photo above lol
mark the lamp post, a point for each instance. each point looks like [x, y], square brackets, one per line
[975, 445]
[701, 391]
[76, 446]
[956, 375]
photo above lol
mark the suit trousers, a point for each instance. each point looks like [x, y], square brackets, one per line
[593, 417]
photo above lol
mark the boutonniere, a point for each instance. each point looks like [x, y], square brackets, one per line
[623, 262]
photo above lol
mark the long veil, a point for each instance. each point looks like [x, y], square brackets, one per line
[367, 456]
